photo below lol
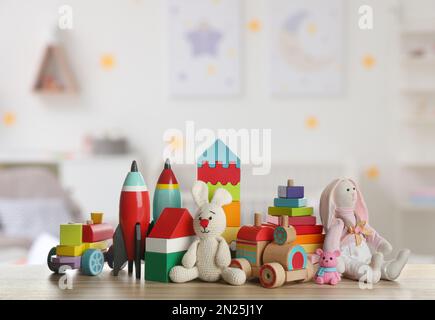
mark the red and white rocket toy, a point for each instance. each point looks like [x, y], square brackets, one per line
[134, 220]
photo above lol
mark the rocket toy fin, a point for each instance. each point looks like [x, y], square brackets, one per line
[137, 248]
[119, 252]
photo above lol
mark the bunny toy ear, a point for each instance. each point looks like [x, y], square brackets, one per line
[200, 193]
[327, 205]
[360, 206]
[221, 197]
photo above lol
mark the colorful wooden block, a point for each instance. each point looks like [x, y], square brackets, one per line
[100, 245]
[234, 190]
[158, 265]
[309, 238]
[73, 262]
[230, 234]
[308, 229]
[97, 232]
[168, 245]
[232, 213]
[294, 221]
[173, 223]
[218, 152]
[97, 217]
[71, 234]
[218, 174]
[290, 203]
[70, 251]
[251, 251]
[294, 212]
[292, 192]
[256, 233]
[312, 247]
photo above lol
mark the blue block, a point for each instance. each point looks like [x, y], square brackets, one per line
[290, 203]
[293, 192]
[218, 152]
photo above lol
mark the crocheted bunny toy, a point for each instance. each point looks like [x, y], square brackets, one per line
[208, 257]
[327, 272]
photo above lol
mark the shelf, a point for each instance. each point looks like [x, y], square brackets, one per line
[407, 207]
[54, 75]
[423, 62]
[418, 91]
[422, 122]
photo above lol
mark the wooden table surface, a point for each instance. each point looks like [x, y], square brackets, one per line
[37, 282]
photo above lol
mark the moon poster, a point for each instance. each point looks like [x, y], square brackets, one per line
[306, 43]
[204, 47]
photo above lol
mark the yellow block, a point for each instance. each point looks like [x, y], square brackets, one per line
[312, 247]
[230, 234]
[232, 212]
[70, 251]
[97, 217]
[101, 245]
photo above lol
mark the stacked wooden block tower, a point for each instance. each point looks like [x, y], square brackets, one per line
[167, 242]
[76, 238]
[219, 167]
[292, 205]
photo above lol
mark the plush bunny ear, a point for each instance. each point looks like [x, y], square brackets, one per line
[221, 197]
[200, 193]
[327, 205]
[360, 206]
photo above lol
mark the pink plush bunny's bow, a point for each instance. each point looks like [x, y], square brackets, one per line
[359, 231]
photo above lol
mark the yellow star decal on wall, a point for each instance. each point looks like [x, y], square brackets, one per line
[254, 25]
[9, 119]
[373, 172]
[368, 61]
[107, 61]
[311, 122]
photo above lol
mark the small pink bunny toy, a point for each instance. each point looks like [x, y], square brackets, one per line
[327, 273]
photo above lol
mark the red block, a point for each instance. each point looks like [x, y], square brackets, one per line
[219, 174]
[308, 229]
[173, 223]
[254, 233]
[97, 232]
[294, 221]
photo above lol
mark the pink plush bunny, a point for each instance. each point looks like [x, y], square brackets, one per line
[327, 273]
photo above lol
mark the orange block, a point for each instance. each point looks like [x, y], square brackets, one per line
[232, 212]
[309, 238]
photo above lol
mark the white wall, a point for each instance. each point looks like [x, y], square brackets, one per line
[134, 97]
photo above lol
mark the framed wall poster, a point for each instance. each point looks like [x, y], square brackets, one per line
[204, 47]
[306, 47]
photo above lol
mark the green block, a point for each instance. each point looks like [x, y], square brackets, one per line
[292, 212]
[71, 234]
[234, 190]
[158, 265]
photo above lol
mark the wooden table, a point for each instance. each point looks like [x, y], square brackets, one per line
[37, 282]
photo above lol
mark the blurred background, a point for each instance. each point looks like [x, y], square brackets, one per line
[87, 86]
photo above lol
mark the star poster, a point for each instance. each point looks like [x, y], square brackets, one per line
[306, 47]
[204, 47]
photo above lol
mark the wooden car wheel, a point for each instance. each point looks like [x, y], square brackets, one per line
[243, 264]
[51, 265]
[272, 275]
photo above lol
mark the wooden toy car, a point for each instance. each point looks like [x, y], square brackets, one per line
[83, 246]
[266, 251]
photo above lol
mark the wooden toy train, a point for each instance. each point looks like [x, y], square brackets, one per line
[266, 252]
[83, 246]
